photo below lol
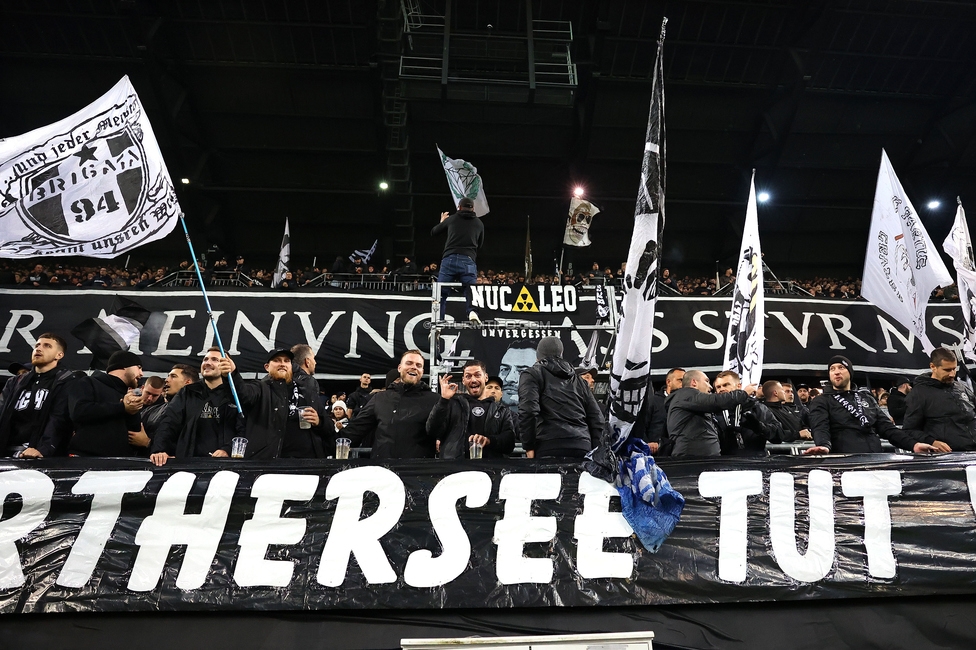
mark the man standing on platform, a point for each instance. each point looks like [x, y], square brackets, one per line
[465, 235]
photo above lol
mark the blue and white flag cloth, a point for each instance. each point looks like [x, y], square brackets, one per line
[364, 255]
[621, 458]
[93, 184]
[901, 268]
[959, 246]
[746, 337]
[464, 182]
[284, 258]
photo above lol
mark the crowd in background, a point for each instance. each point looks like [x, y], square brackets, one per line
[345, 273]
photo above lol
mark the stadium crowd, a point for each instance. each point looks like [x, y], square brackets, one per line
[345, 273]
[47, 410]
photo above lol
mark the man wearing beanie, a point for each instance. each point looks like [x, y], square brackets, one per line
[847, 421]
[558, 415]
[465, 235]
[103, 409]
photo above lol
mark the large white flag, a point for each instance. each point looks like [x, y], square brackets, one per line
[578, 222]
[959, 246]
[746, 338]
[93, 184]
[464, 181]
[284, 258]
[901, 268]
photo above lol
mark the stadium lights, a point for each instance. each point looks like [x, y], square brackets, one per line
[578, 192]
[384, 185]
[185, 181]
[933, 205]
[762, 197]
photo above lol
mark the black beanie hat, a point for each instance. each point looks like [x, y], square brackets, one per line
[122, 359]
[844, 361]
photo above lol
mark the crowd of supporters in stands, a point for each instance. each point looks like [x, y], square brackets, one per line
[344, 272]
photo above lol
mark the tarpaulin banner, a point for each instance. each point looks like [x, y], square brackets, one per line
[353, 332]
[115, 535]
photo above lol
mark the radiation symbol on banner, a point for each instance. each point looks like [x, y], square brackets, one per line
[524, 302]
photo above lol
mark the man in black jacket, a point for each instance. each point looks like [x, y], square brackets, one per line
[200, 420]
[357, 399]
[558, 415]
[273, 409]
[103, 409]
[744, 429]
[32, 418]
[792, 420]
[394, 421]
[459, 419]
[691, 419]
[898, 399]
[941, 407]
[465, 235]
[846, 421]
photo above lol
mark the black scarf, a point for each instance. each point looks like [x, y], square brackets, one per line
[856, 409]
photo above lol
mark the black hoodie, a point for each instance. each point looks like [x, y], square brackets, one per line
[465, 234]
[942, 412]
[557, 410]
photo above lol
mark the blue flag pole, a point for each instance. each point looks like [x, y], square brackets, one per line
[213, 323]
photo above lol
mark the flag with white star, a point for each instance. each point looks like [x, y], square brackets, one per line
[93, 184]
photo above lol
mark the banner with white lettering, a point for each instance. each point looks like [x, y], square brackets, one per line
[102, 535]
[93, 184]
[353, 333]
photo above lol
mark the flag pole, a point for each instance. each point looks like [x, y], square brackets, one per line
[213, 323]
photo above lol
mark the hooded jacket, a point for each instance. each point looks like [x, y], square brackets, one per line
[691, 421]
[100, 422]
[52, 427]
[180, 424]
[448, 422]
[942, 412]
[394, 423]
[834, 427]
[465, 234]
[790, 418]
[556, 409]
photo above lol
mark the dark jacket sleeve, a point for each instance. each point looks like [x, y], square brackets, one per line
[504, 441]
[914, 414]
[53, 440]
[594, 416]
[361, 426]
[249, 392]
[170, 423]
[438, 422]
[528, 408]
[902, 438]
[820, 422]
[714, 402]
[771, 428]
[440, 227]
[84, 408]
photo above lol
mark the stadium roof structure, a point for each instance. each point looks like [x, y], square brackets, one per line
[299, 108]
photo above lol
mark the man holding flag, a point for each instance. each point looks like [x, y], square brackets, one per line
[465, 235]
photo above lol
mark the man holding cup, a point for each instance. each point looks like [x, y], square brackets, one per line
[276, 410]
[466, 423]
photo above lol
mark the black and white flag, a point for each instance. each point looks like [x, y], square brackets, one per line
[901, 268]
[364, 254]
[959, 246]
[284, 258]
[93, 184]
[122, 329]
[746, 337]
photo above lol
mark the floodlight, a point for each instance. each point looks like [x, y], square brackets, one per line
[384, 185]
[578, 192]
[933, 205]
[762, 197]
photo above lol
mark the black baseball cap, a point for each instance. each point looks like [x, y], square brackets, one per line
[279, 352]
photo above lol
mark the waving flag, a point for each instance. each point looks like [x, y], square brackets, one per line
[649, 504]
[578, 222]
[464, 181]
[93, 184]
[901, 269]
[959, 246]
[284, 258]
[746, 337]
[364, 254]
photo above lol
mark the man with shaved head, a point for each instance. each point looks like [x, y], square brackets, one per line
[690, 415]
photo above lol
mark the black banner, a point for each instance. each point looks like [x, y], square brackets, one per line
[112, 535]
[367, 332]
